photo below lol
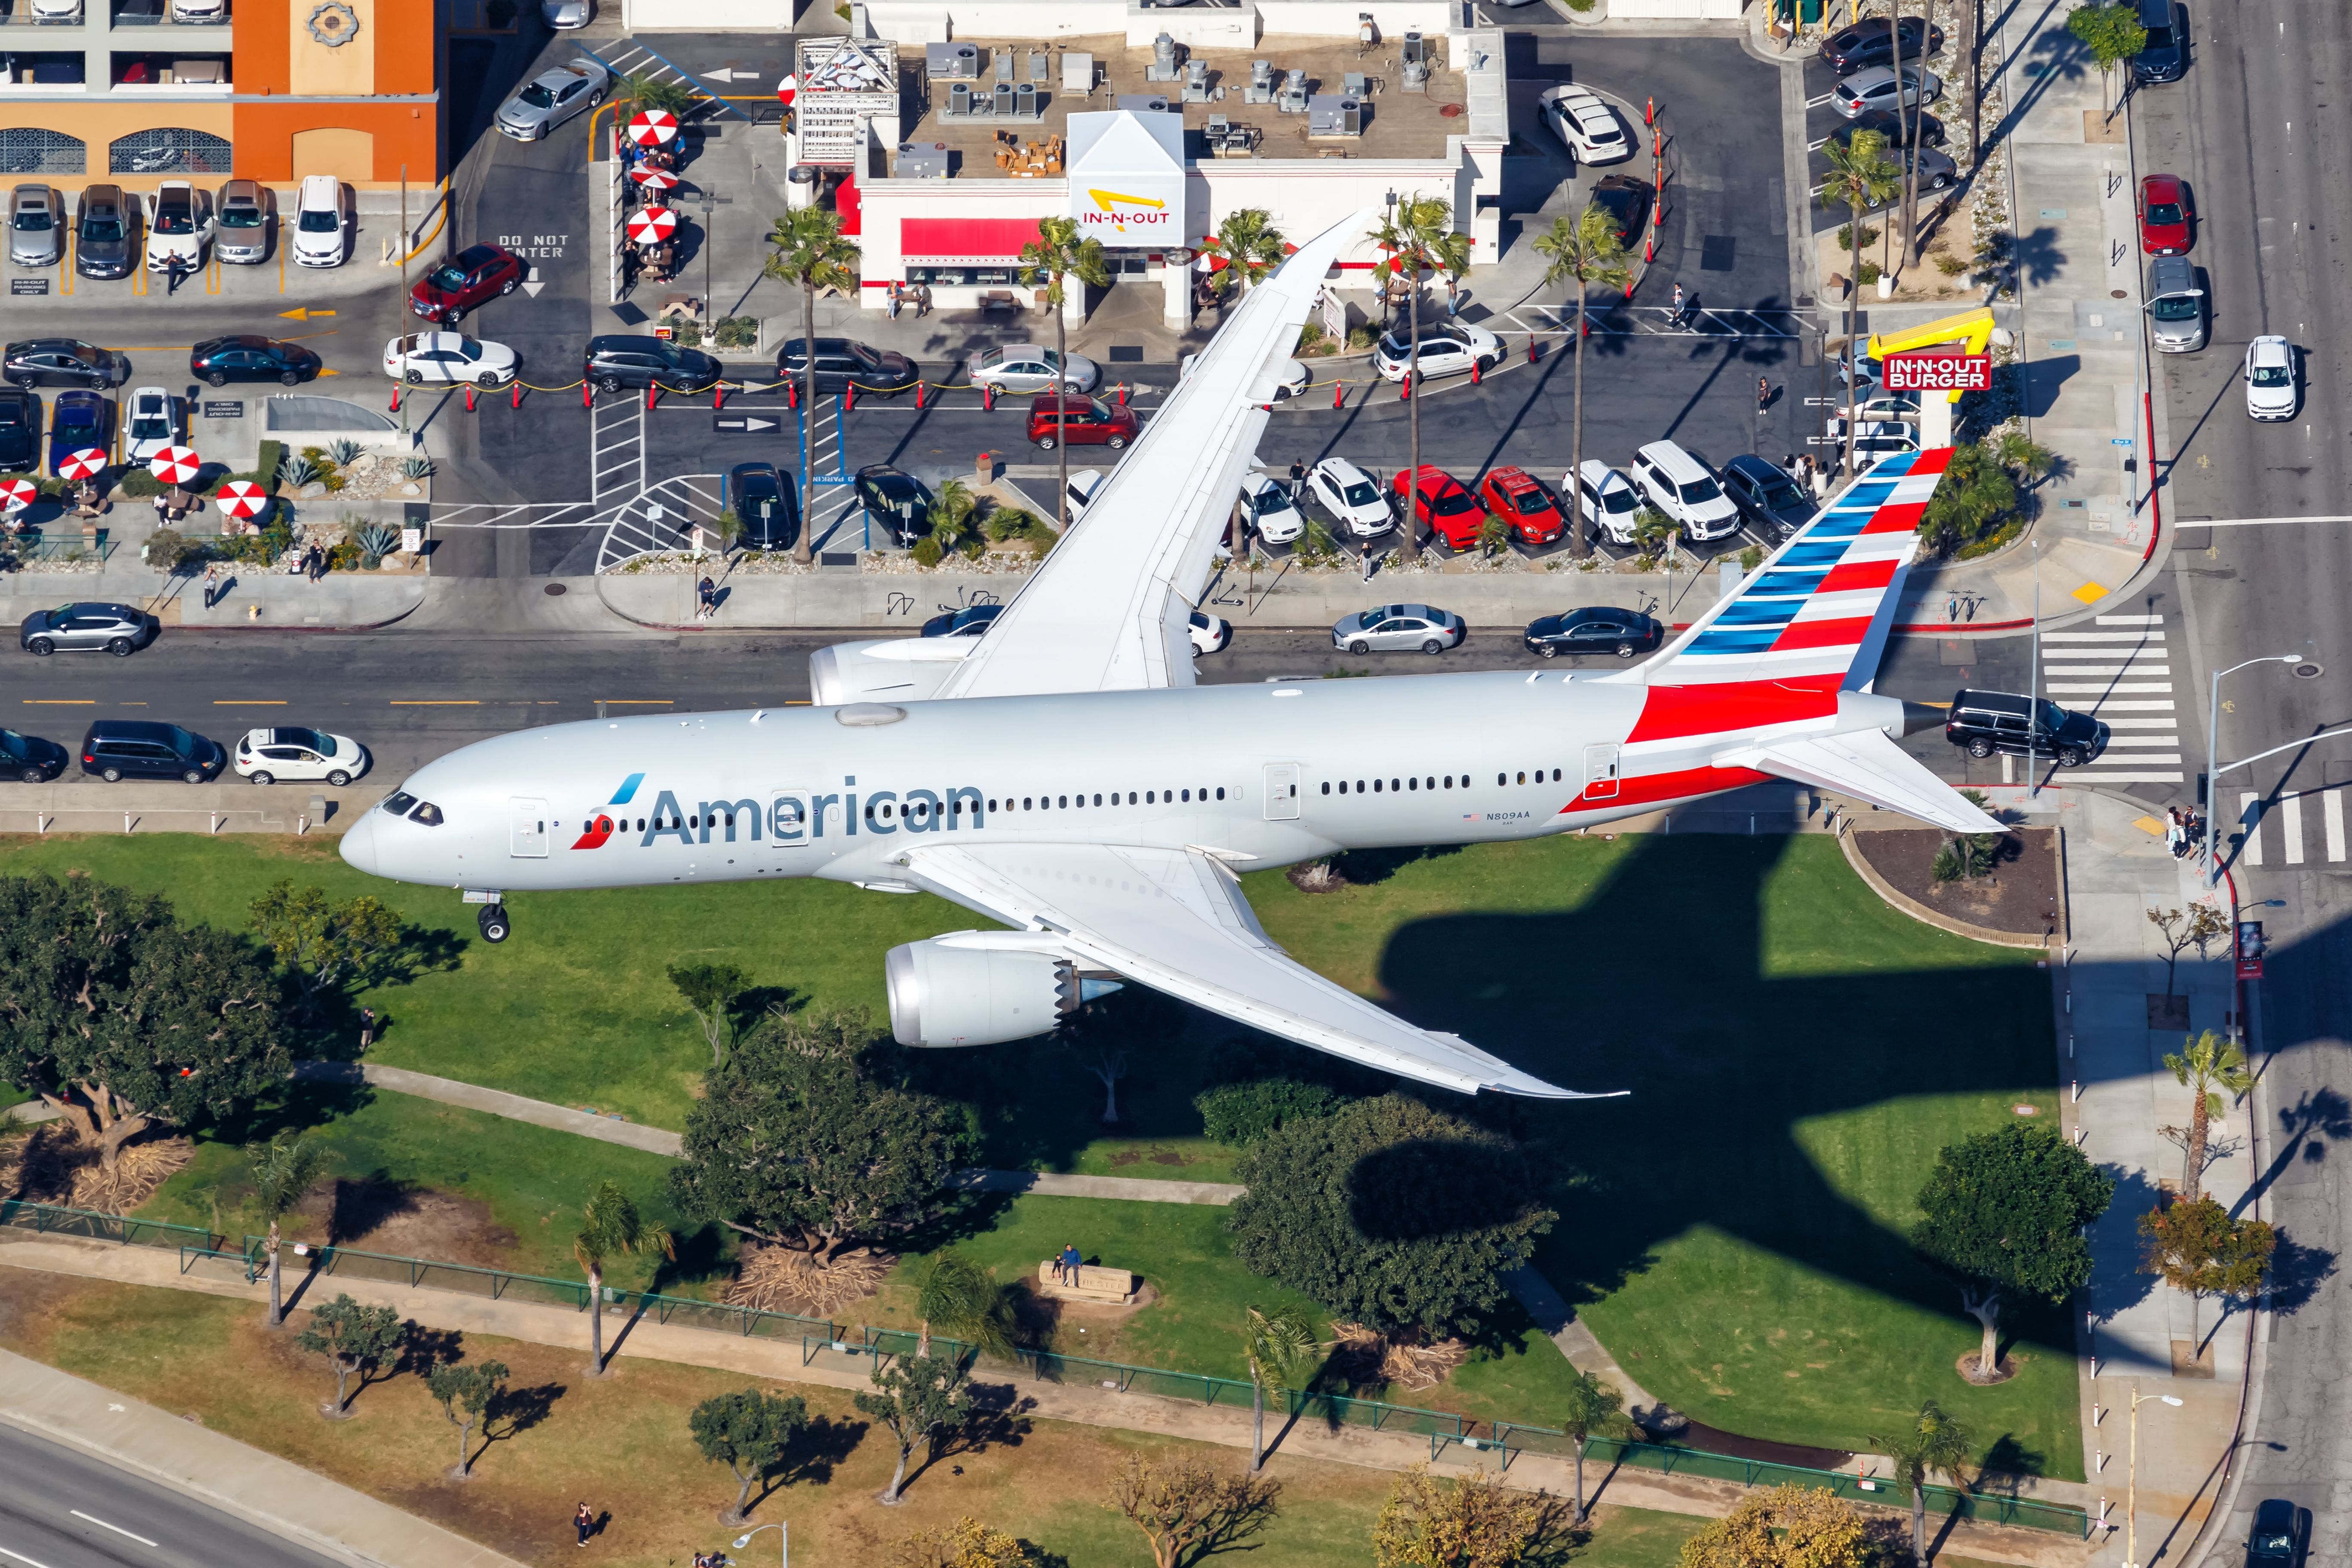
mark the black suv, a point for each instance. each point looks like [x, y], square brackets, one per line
[842, 361]
[619, 361]
[2281, 1534]
[20, 430]
[30, 758]
[1767, 496]
[118, 749]
[120, 630]
[2164, 57]
[1990, 721]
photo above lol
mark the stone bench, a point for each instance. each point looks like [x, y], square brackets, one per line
[1111, 1286]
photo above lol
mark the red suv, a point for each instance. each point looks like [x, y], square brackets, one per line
[475, 275]
[1444, 507]
[1079, 420]
[1513, 495]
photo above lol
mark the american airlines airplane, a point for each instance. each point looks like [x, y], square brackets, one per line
[1064, 776]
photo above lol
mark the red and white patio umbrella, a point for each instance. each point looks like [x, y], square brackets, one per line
[788, 90]
[82, 464]
[16, 495]
[175, 465]
[653, 127]
[651, 226]
[654, 179]
[243, 498]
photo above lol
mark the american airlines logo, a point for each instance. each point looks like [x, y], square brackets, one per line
[1119, 210]
[786, 818]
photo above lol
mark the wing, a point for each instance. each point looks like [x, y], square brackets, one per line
[1175, 921]
[1107, 609]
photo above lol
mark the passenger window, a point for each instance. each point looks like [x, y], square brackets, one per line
[1413, 783]
[1188, 796]
[1376, 786]
[1326, 788]
[1221, 792]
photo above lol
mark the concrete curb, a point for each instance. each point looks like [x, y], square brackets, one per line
[1903, 903]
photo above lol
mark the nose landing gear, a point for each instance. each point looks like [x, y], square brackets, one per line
[493, 922]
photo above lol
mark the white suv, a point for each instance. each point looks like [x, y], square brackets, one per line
[1447, 348]
[179, 223]
[321, 221]
[1608, 501]
[1352, 497]
[1680, 486]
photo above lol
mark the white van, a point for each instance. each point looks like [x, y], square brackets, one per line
[1680, 486]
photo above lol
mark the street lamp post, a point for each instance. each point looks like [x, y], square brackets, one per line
[784, 1534]
[2213, 756]
[2131, 1482]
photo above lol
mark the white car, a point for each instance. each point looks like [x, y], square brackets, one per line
[1352, 497]
[179, 225]
[2270, 378]
[1607, 500]
[423, 359]
[1290, 377]
[1272, 514]
[200, 10]
[1447, 348]
[322, 216]
[1082, 485]
[1210, 634]
[1875, 441]
[57, 10]
[272, 756]
[1585, 126]
[153, 420]
[1020, 369]
[1680, 486]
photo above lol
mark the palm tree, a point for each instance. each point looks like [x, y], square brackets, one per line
[1282, 1351]
[610, 1226]
[1252, 247]
[639, 91]
[1929, 1442]
[1859, 177]
[284, 1168]
[1586, 250]
[2208, 1065]
[1588, 1409]
[1418, 235]
[951, 509]
[954, 1291]
[811, 255]
[1057, 255]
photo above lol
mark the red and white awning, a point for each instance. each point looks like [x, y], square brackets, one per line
[175, 465]
[653, 127]
[650, 226]
[82, 464]
[243, 498]
[16, 495]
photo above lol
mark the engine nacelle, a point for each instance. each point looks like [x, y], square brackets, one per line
[900, 669]
[942, 993]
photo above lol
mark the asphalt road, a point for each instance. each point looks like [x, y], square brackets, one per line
[59, 1508]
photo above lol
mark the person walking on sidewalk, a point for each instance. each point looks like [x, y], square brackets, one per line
[584, 1521]
[706, 599]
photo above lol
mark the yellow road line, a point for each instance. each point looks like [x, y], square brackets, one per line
[61, 701]
[435, 702]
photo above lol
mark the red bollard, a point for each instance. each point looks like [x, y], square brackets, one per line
[1123, 394]
[1650, 111]
[918, 397]
[1404, 389]
[718, 396]
[849, 397]
[652, 389]
[587, 395]
[1531, 348]
[1339, 395]
[469, 397]
[1650, 247]
[516, 385]
[792, 394]
[396, 397]
[988, 396]
[1629, 288]
[1475, 367]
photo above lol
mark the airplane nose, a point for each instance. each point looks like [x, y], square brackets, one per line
[358, 844]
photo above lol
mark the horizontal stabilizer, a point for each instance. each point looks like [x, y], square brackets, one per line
[1868, 765]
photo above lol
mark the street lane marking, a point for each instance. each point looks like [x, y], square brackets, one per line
[2262, 521]
[21, 1558]
[2292, 807]
[637, 701]
[62, 702]
[116, 1527]
[435, 702]
[2130, 621]
[2059, 689]
[2138, 778]
[248, 703]
[2331, 818]
[2143, 760]
[2249, 812]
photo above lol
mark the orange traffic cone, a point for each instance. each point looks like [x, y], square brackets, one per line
[587, 395]
[918, 397]
[718, 396]
[988, 397]
[396, 397]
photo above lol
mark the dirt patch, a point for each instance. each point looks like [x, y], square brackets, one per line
[2021, 895]
[1971, 1369]
[377, 1216]
[1154, 1154]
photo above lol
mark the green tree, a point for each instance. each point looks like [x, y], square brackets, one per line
[711, 989]
[611, 1226]
[1282, 1352]
[1584, 249]
[2198, 1248]
[1058, 255]
[640, 90]
[810, 1138]
[283, 1168]
[1418, 235]
[1474, 1522]
[1389, 1213]
[353, 1339]
[966, 1543]
[1590, 1408]
[2112, 34]
[810, 253]
[952, 514]
[327, 945]
[955, 1292]
[920, 1399]
[2206, 1066]
[1251, 248]
[1189, 1511]
[1859, 176]
[467, 1392]
[2005, 1211]
[749, 1433]
[1929, 1442]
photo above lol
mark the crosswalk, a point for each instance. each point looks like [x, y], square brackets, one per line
[2256, 814]
[2122, 672]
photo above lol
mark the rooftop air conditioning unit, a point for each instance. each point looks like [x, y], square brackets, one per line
[1292, 98]
[1416, 63]
[1329, 114]
[1261, 83]
[1163, 66]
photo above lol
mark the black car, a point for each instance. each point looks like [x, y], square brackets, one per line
[842, 361]
[62, 362]
[1594, 629]
[2281, 1535]
[1923, 129]
[119, 629]
[1766, 497]
[2164, 57]
[769, 511]
[30, 758]
[1990, 721]
[216, 361]
[20, 430]
[1626, 200]
[117, 749]
[619, 359]
[897, 500]
[106, 234]
[1867, 44]
[968, 622]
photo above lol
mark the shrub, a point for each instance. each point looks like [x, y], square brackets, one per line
[416, 468]
[296, 472]
[377, 541]
[138, 484]
[737, 331]
[1952, 266]
[1865, 273]
[928, 551]
[1845, 236]
[343, 451]
[265, 466]
[168, 549]
[1242, 1113]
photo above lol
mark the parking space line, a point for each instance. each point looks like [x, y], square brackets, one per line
[435, 702]
[248, 703]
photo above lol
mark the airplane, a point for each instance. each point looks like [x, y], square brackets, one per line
[1064, 776]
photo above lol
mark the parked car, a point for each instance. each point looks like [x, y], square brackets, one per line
[1067, 417]
[118, 629]
[1936, 172]
[474, 277]
[20, 430]
[63, 361]
[897, 500]
[247, 356]
[1210, 634]
[1290, 377]
[104, 233]
[2166, 213]
[970, 621]
[1396, 628]
[1874, 87]
[1902, 406]
[553, 97]
[1626, 200]
[1990, 721]
[1269, 511]
[322, 222]
[2175, 306]
[1874, 440]
[56, 10]
[241, 223]
[1526, 508]
[37, 225]
[1025, 368]
[1608, 501]
[1351, 497]
[1447, 348]
[79, 419]
[841, 362]
[2271, 391]
[765, 504]
[1586, 127]
[28, 759]
[1594, 629]
[117, 749]
[1867, 44]
[566, 16]
[1775, 503]
[199, 10]
[2164, 57]
[179, 225]
[156, 419]
[1440, 505]
[1908, 129]
[1081, 491]
[619, 360]
[2281, 1536]
[267, 756]
[1679, 485]
[423, 359]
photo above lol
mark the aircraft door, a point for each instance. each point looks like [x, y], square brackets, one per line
[529, 840]
[1601, 772]
[789, 827]
[1281, 792]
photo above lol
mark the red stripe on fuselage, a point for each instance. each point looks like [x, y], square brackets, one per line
[1651, 789]
[1670, 712]
[1895, 517]
[1846, 633]
[1860, 574]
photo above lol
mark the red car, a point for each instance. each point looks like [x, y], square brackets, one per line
[1442, 505]
[1080, 420]
[475, 275]
[2165, 216]
[1513, 495]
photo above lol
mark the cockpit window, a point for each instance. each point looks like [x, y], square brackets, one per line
[399, 801]
[426, 812]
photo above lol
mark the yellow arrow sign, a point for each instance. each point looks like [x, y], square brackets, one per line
[301, 313]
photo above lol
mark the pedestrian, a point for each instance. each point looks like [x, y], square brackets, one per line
[1678, 305]
[1367, 561]
[175, 267]
[212, 584]
[1297, 478]
[367, 1027]
[584, 1521]
[1072, 1260]
[1763, 393]
[895, 299]
[706, 599]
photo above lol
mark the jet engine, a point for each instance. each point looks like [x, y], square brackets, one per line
[902, 669]
[976, 988]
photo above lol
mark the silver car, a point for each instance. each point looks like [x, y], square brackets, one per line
[241, 223]
[1936, 172]
[563, 15]
[553, 97]
[1400, 628]
[1022, 368]
[37, 225]
[1874, 88]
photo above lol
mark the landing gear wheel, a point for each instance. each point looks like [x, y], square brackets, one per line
[493, 922]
